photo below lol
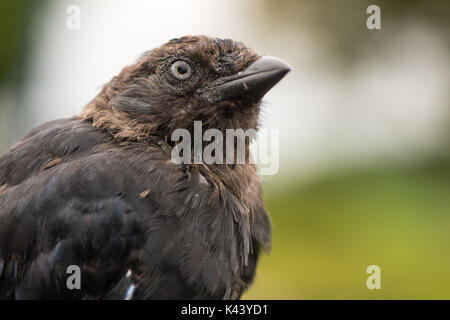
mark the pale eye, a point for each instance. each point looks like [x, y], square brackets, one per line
[181, 70]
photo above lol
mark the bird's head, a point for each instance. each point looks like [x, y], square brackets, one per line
[196, 78]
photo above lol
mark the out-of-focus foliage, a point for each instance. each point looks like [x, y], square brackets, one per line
[16, 19]
[339, 25]
[18, 24]
[327, 233]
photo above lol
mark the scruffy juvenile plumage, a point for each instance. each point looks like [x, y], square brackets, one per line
[100, 190]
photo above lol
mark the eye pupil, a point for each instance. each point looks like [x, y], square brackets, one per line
[182, 69]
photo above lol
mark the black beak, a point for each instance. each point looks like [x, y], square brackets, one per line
[254, 82]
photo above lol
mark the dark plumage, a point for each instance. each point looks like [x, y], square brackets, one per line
[100, 191]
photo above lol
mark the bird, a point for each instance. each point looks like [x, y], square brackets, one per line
[100, 192]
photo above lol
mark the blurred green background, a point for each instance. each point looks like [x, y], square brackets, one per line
[364, 122]
[328, 232]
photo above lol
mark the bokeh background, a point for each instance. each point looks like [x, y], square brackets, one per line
[364, 120]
